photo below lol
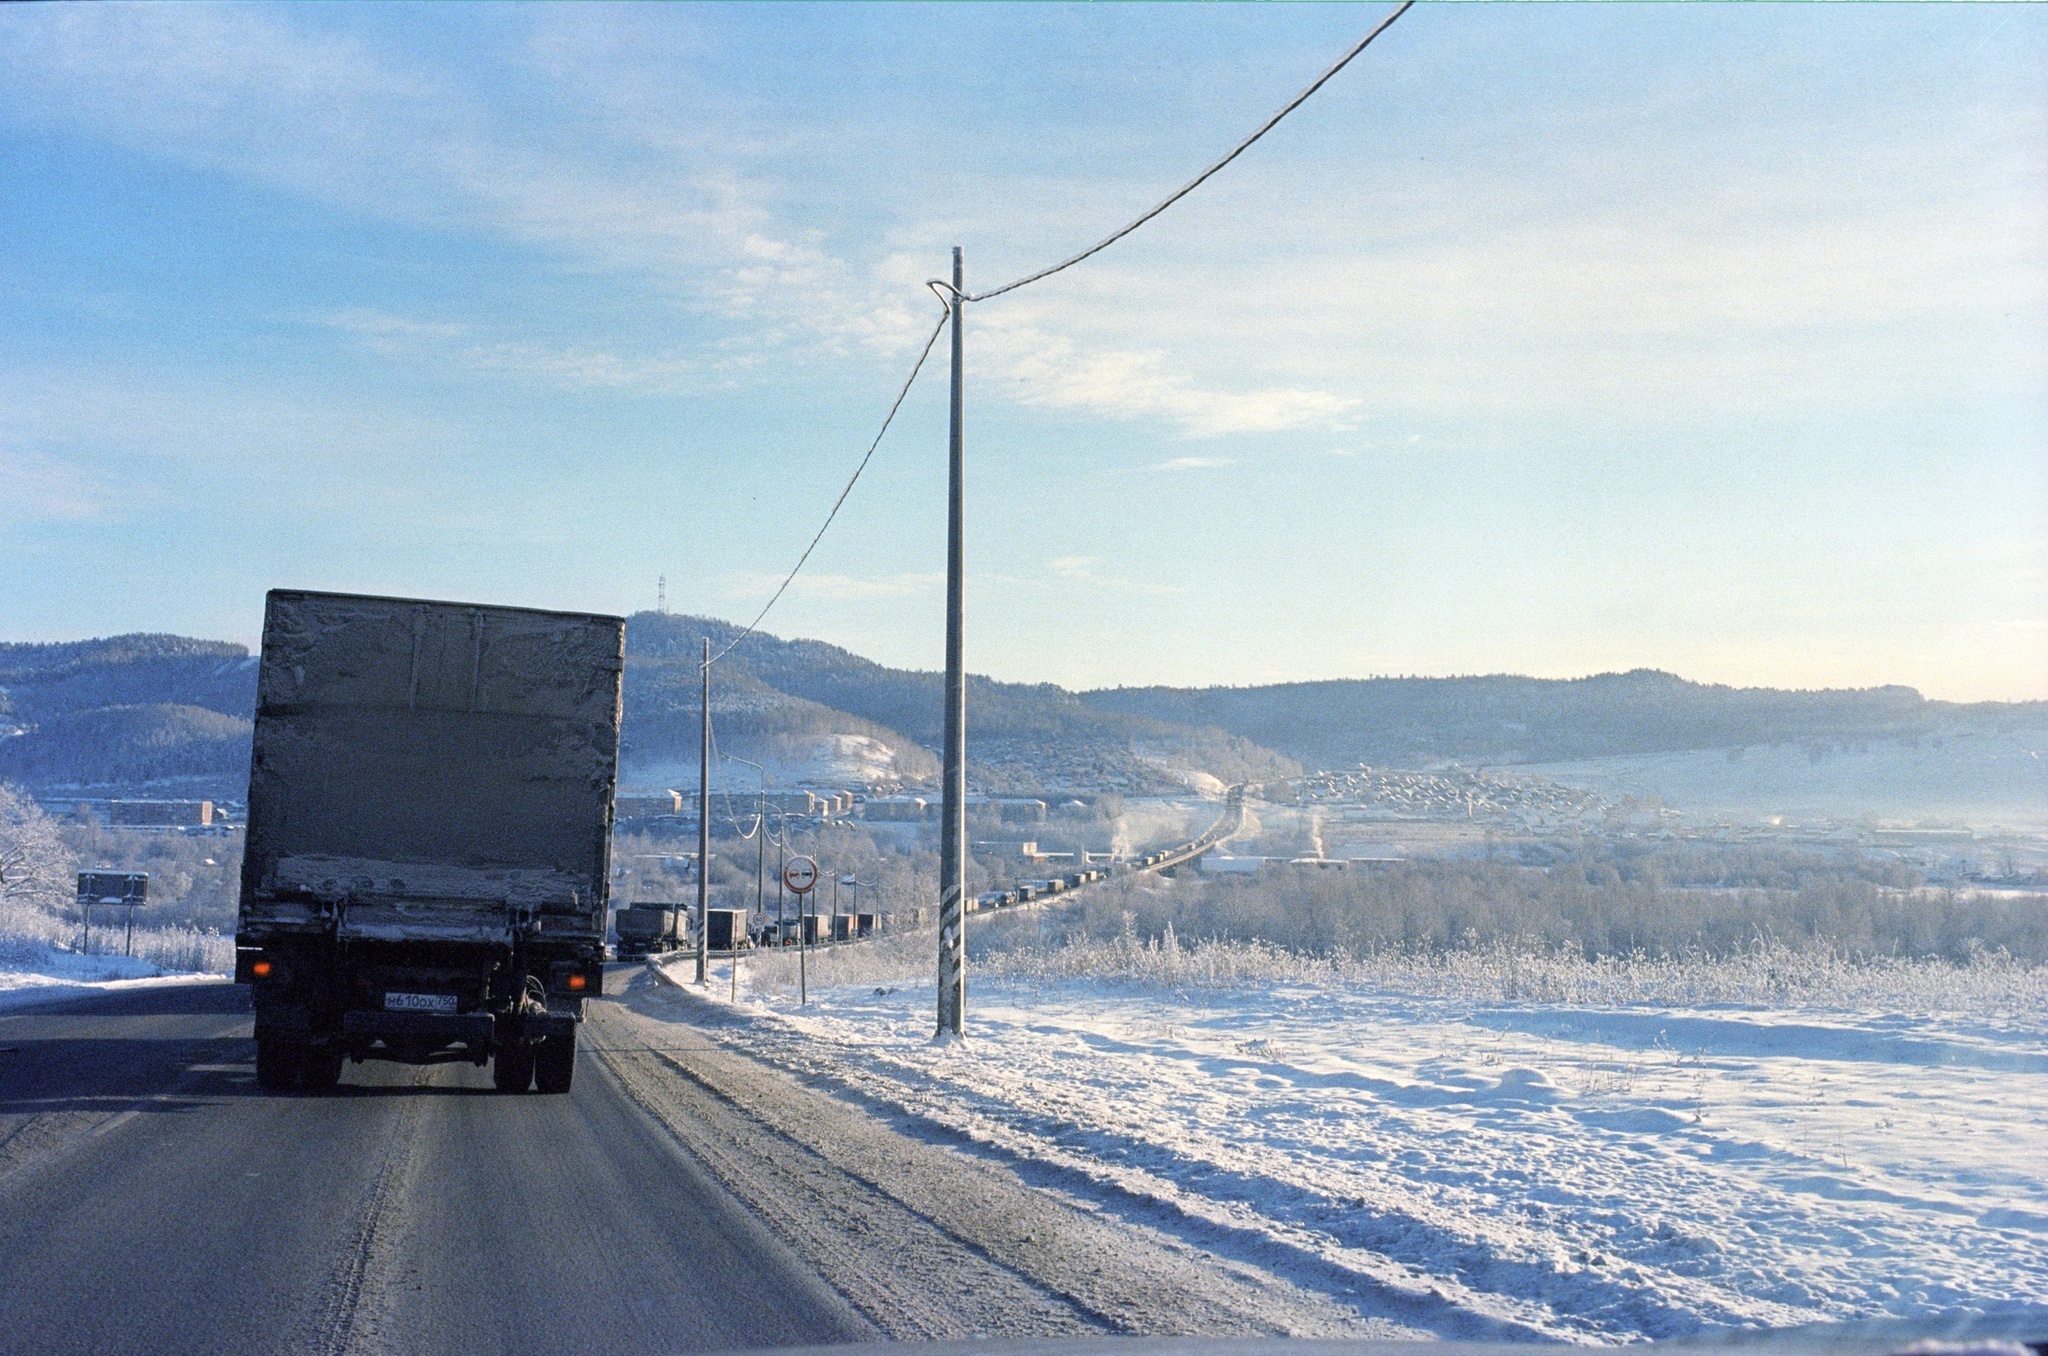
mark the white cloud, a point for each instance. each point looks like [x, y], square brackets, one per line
[835, 587]
[150, 437]
[46, 489]
[465, 347]
[1083, 570]
[255, 94]
[1189, 463]
[1586, 286]
[1039, 367]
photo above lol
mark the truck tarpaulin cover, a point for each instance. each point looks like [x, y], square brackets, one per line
[432, 770]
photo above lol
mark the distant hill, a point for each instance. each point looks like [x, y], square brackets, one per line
[46, 680]
[171, 713]
[1502, 718]
[134, 713]
[1020, 736]
[127, 713]
[111, 748]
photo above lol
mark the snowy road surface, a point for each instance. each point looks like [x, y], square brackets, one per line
[1481, 1169]
[151, 1199]
[684, 1197]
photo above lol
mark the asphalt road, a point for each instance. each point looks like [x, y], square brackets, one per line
[153, 1199]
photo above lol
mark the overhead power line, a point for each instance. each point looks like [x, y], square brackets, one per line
[952, 299]
[1191, 185]
[888, 419]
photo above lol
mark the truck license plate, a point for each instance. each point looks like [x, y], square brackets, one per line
[419, 1002]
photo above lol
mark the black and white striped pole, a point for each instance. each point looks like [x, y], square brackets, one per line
[953, 791]
[704, 827]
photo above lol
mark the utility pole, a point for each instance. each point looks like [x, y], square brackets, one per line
[953, 803]
[704, 827]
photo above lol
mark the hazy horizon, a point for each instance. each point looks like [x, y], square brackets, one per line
[253, 644]
[1545, 340]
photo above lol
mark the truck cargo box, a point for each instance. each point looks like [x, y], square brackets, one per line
[426, 771]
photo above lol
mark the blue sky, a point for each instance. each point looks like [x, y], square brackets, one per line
[1546, 339]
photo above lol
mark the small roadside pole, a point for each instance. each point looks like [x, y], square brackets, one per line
[800, 874]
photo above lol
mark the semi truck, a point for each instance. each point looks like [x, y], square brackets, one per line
[427, 862]
[648, 929]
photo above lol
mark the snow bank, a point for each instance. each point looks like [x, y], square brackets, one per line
[52, 974]
[1626, 1162]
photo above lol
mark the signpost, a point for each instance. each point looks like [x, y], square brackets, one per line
[126, 888]
[800, 874]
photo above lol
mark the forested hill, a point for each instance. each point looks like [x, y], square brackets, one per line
[38, 681]
[168, 712]
[1502, 718]
[173, 713]
[127, 712]
[1020, 736]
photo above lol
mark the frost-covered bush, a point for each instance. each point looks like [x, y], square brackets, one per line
[893, 959]
[179, 949]
[1591, 908]
[194, 881]
[1767, 974]
[39, 892]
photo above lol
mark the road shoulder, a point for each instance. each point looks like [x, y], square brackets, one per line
[925, 1238]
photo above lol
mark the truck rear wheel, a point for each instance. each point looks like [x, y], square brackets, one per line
[554, 1064]
[512, 1067]
[277, 1063]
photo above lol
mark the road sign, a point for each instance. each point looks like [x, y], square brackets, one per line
[113, 887]
[800, 874]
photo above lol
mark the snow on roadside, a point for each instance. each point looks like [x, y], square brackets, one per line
[1578, 1171]
[51, 975]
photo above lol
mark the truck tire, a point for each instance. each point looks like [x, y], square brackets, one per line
[321, 1069]
[512, 1067]
[554, 1064]
[277, 1063]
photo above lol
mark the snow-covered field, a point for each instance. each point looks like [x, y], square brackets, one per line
[1636, 1162]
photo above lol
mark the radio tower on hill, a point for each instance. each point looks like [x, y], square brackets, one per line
[661, 594]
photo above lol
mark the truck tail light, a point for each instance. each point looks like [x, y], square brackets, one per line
[253, 967]
[577, 978]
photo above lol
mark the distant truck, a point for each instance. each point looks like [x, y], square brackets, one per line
[648, 929]
[427, 863]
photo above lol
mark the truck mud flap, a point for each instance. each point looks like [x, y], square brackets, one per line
[474, 1029]
[536, 1025]
[283, 1019]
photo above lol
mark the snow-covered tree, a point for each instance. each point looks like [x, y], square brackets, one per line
[36, 870]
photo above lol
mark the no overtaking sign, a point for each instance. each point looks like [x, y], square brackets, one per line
[800, 874]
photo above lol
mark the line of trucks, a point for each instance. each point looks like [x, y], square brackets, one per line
[427, 863]
[656, 929]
